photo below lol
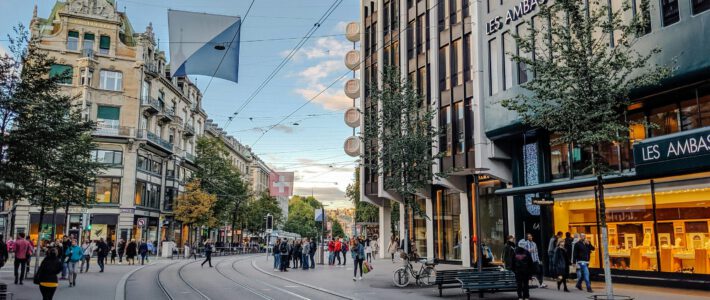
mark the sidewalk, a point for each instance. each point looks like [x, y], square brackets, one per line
[378, 285]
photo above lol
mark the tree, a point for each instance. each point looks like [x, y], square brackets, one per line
[215, 174]
[257, 210]
[194, 206]
[337, 229]
[301, 216]
[404, 127]
[364, 212]
[585, 71]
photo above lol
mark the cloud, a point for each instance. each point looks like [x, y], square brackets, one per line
[340, 27]
[283, 128]
[317, 78]
[322, 48]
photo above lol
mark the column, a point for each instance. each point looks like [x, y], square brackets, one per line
[465, 231]
[385, 229]
[402, 235]
[429, 229]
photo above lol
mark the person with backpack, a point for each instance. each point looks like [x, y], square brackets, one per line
[277, 254]
[358, 254]
[74, 254]
[283, 250]
[523, 267]
[46, 276]
[143, 250]
[102, 253]
[312, 253]
[208, 253]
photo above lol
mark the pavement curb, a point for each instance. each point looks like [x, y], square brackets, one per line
[253, 264]
[121, 286]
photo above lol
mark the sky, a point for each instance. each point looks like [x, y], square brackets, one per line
[311, 142]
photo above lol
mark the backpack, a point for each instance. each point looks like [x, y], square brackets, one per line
[283, 248]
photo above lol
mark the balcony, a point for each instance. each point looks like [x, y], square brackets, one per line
[150, 105]
[155, 140]
[190, 157]
[167, 115]
[109, 130]
[88, 53]
[152, 69]
[189, 130]
[177, 120]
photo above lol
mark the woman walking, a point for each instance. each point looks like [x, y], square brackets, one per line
[368, 250]
[358, 254]
[394, 245]
[131, 251]
[46, 275]
[120, 250]
[74, 255]
[523, 267]
[560, 264]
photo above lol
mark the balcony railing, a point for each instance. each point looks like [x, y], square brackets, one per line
[155, 139]
[189, 130]
[189, 156]
[88, 53]
[152, 68]
[113, 130]
[151, 105]
[167, 115]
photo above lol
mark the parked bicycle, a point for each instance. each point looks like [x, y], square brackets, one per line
[425, 275]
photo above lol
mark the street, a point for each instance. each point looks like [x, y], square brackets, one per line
[252, 277]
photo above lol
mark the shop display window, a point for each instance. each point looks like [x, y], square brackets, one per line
[704, 104]
[447, 223]
[106, 190]
[417, 227]
[664, 120]
[559, 159]
[491, 220]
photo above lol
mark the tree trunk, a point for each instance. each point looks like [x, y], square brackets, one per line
[66, 219]
[54, 221]
[604, 239]
[12, 218]
[38, 245]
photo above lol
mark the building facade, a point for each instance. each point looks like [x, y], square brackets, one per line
[657, 206]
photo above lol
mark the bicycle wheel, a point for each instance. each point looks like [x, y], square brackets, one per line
[401, 277]
[428, 276]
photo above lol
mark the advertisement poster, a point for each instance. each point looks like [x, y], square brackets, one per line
[99, 231]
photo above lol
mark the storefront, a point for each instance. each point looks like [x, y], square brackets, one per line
[447, 225]
[491, 219]
[417, 226]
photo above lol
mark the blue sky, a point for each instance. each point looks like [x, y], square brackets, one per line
[314, 147]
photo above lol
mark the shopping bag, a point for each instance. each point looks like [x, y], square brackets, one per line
[365, 269]
[369, 266]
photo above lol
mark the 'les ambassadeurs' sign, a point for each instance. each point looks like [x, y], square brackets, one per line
[523, 8]
[680, 151]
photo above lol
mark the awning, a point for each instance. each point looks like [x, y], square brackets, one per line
[563, 185]
[48, 219]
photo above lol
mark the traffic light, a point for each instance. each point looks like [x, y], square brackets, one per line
[89, 222]
[269, 221]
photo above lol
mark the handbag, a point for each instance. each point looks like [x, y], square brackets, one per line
[369, 266]
[365, 269]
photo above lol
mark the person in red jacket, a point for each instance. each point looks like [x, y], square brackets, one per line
[23, 251]
[338, 248]
[331, 249]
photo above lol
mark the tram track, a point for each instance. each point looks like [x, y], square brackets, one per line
[179, 273]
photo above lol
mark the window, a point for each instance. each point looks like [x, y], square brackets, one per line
[644, 13]
[422, 41]
[523, 32]
[86, 76]
[422, 82]
[454, 11]
[111, 80]
[412, 28]
[147, 195]
[666, 120]
[442, 69]
[108, 157]
[64, 73]
[460, 133]
[148, 164]
[469, 124]
[107, 118]
[508, 52]
[73, 40]
[170, 195]
[447, 137]
[88, 41]
[670, 13]
[704, 104]
[493, 66]
[106, 190]
[145, 93]
[104, 44]
[559, 158]
[700, 6]
[581, 160]
[467, 57]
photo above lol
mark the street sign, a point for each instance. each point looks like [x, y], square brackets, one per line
[269, 230]
[141, 222]
[318, 215]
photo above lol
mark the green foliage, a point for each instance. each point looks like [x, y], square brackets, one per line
[257, 209]
[582, 84]
[364, 212]
[337, 229]
[301, 216]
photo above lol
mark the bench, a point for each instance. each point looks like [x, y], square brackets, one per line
[487, 281]
[447, 279]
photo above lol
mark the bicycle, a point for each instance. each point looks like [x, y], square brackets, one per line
[425, 275]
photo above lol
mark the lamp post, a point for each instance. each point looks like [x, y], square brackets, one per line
[479, 248]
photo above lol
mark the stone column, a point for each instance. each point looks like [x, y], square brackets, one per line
[429, 229]
[385, 221]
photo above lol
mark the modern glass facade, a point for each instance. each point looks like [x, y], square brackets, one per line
[447, 225]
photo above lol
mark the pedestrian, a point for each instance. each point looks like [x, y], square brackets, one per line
[509, 252]
[305, 250]
[23, 250]
[143, 251]
[338, 249]
[208, 253]
[523, 267]
[560, 264]
[368, 250]
[294, 254]
[74, 254]
[120, 250]
[131, 252]
[331, 250]
[344, 249]
[4, 255]
[568, 245]
[283, 250]
[312, 253]
[277, 254]
[87, 248]
[358, 254]
[575, 239]
[551, 248]
[151, 250]
[112, 246]
[66, 244]
[101, 253]
[582, 252]
[394, 245]
[531, 246]
[46, 275]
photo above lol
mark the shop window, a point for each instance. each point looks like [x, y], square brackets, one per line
[107, 157]
[508, 44]
[559, 159]
[147, 195]
[88, 41]
[110, 80]
[447, 224]
[493, 66]
[104, 44]
[64, 73]
[460, 134]
[665, 120]
[417, 227]
[106, 190]
[689, 117]
[704, 104]
[700, 6]
[581, 160]
[467, 57]
[669, 12]
[73, 40]
[491, 221]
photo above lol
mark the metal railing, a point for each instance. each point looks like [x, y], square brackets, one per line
[89, 53]
[151, 103]
[155, 139]
[152, 68]
[189, 129]
[189, 156]
[113, 130]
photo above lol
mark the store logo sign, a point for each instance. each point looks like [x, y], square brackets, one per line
[675, 152]
[523, 8]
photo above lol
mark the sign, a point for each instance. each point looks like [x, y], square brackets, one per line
[128, 210]
[543, 201]
[141, 222]
[269, 230]
[682, 151]
[281, 184]
[78, 210]
[318, 214]
[523, 8]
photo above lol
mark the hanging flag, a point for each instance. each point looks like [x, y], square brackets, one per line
[204, 44]
[281, 184]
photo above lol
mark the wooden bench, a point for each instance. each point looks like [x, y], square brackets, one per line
[487, 281]
[447, 279]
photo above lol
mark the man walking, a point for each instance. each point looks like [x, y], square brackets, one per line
[102, 252]
[66, 244]
[551, 252]
[531, 247]
[208, 254]
[582, 252]
[143, 250]
[283, 249]
[23, 250]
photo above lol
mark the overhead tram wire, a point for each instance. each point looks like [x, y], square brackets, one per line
[286, 59]
[331, 84]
